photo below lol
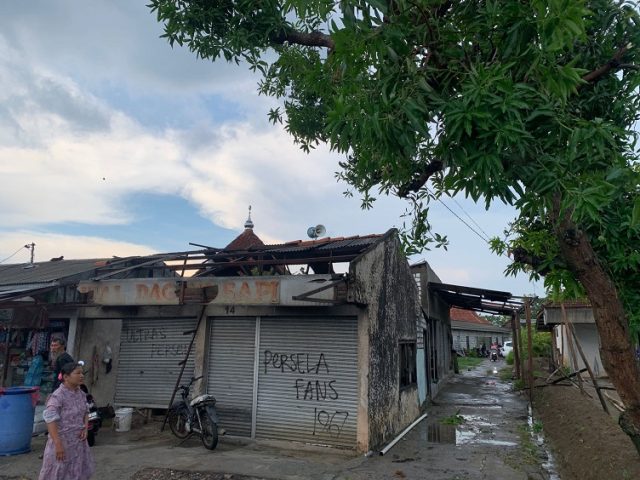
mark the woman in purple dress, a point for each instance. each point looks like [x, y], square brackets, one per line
[67, 455]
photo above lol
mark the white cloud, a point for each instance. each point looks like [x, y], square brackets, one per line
[68, 155]
[57, 170]
[100, 40]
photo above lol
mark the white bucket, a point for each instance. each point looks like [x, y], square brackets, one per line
[122, 420]
[38, 423]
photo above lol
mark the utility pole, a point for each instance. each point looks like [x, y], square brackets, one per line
[31, 247]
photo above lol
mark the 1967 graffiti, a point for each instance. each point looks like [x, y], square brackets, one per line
[329, 422]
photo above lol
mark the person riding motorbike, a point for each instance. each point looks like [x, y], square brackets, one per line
[493, 356]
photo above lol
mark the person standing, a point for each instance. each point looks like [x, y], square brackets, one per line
[59, 357]
[67, 455]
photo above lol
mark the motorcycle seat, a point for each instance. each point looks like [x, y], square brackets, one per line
[204, 398]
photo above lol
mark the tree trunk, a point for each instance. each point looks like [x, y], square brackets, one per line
[613, 327]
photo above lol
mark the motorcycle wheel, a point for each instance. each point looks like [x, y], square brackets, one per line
[91, 438]
[209, 433]
[178, 420]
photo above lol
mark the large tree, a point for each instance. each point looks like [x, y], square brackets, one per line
[532, 103]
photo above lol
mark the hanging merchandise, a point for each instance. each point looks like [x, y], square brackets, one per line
[26, 349]
[37, 341]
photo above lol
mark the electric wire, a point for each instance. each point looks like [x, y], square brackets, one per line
[12, 255]
[470, 217]
[484, 237]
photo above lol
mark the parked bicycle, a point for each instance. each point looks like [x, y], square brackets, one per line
[196, 416]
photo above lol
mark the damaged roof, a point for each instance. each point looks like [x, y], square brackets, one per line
[320, 254]
[478, 299]
[47, 272]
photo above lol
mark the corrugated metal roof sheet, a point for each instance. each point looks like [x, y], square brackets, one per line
[579, 303]
[480, 299]
[352, 242]
[46, 272]
[323, 244]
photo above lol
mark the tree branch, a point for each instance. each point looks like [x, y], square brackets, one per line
[313, 39]
[417, 183]
[520, 255]
[599, 72]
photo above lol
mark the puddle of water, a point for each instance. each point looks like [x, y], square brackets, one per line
[538, 437]
[495, 443]
[438, 433]
[477, 420]
[458, 435]
[492, 406]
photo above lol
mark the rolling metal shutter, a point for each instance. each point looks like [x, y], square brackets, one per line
[308, 380]
[231, 371]
[148, 367]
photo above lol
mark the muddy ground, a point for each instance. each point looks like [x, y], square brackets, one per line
[585, 441]
[492, 442]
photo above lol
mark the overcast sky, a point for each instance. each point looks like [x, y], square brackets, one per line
[113, 143]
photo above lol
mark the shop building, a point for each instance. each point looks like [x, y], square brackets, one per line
[331, 341]
[292, 349]
[40, 301]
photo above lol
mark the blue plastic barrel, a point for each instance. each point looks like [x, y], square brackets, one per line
[16, 419]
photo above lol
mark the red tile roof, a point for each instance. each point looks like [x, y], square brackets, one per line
[469, 316]
[245, 240]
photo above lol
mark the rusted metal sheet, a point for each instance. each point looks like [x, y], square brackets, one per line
[274, 290]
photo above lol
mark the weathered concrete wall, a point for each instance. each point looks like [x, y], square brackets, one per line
[438, 324]
[384, 283]
[363, 382]
[94, 335]
[589, 341]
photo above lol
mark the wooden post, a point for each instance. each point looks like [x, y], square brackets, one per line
[588, 367]
[183, 364]
[521, 348]
[572, 351]
[527, 312]
[514, 342]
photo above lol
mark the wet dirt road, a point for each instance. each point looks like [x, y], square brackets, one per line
[492, 442]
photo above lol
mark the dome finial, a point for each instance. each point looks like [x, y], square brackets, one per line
[249, 223]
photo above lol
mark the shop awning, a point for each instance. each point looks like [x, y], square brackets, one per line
[13, 293]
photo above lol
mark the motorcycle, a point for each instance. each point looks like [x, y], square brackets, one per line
[493, 356]
[94, 417]
[196, 416]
